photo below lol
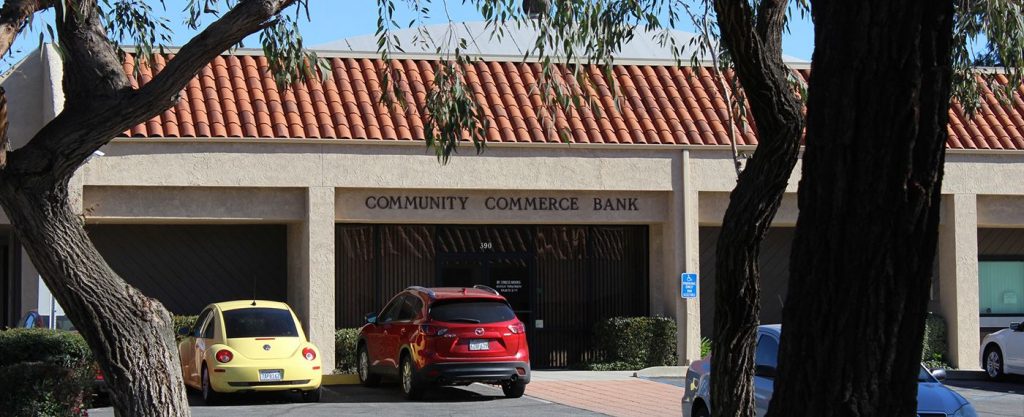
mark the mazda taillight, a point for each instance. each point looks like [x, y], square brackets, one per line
[433, 330]
[517, 328]
[309, 353]
[224, 356]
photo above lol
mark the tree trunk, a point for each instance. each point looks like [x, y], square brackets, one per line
[756, 49]
[130, 334]
[869, 208]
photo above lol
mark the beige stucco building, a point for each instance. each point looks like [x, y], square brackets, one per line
[332, 222]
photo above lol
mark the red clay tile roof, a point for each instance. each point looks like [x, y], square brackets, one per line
[234, 97]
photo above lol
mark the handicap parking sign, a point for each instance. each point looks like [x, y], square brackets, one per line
[688, 285]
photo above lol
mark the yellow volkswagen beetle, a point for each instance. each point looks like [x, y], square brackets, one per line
[248, 346]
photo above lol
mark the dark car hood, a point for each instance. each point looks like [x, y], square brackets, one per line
[933, 396]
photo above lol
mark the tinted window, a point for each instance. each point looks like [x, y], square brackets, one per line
[390, 312]
[410, 308]
[767, 353]
[471, 311]
[259, 322]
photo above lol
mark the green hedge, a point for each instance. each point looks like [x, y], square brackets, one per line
[628, 343]
[345, 350]
[933, 353]
[44, 373]
[182, 321]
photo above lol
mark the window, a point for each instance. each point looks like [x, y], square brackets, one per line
[208, 331]
[390, 312]
[259, 322]
[197, 330]
[410, 310]
[767, 353]
[471, 311]
[1001, 287]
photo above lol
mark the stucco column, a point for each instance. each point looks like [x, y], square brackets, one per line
[29, 284]
[311, 271]
[958, 278]
[683, 231]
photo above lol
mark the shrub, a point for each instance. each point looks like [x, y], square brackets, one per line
[933, 353]
[345, 350]
[182, 321]
[627, 343]
[705, 347]
[44, 373]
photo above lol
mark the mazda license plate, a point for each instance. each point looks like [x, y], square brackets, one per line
[271, 375]
[477, 344]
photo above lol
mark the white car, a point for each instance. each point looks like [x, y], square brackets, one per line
[1002, 352]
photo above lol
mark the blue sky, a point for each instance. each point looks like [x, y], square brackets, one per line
[339, 19]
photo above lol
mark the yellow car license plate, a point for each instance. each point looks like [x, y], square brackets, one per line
[271, 375]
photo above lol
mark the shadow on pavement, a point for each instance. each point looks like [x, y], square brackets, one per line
[1011, 384]
[342, 394]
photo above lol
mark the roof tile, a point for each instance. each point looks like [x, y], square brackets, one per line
[235, 96]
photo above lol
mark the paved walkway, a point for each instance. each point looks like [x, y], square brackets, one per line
[611, 393]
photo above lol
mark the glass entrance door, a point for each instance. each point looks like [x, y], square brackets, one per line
[511, 275]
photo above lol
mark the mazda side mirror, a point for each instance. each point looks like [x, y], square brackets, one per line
[1015, 326]
[371, 318]
[939, 374]
[183, 331]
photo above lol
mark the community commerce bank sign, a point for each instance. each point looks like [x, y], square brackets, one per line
[500, 203]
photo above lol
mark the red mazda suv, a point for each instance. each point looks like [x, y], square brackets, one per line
[445, 336]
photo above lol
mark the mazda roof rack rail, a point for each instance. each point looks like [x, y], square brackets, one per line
[486, 288]
[430, 292]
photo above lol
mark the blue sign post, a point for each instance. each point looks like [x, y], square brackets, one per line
[688, 285]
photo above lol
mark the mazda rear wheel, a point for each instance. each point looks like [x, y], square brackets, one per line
[513, 389]
[412, 387]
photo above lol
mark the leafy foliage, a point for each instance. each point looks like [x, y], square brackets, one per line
[345, 360]
[1000, 24]
[934, 351]
[627, 343]
[44, 373]
[182, 321]
[705, 347]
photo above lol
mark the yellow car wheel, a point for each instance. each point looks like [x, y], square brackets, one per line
[210, 396]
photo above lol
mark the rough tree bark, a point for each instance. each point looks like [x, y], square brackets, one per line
[869, 209]
[755, 45]
[129, 333]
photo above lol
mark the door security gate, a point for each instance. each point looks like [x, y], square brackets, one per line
[560, 280]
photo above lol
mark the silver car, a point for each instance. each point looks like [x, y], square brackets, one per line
[933, 398]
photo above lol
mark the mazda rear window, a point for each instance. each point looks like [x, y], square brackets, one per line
[471, 311]
[259, 322]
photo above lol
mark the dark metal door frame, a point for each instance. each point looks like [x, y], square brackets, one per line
[484, 262]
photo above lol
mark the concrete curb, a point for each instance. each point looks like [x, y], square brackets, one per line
[340, 379]
[965, 375]
[661, 372]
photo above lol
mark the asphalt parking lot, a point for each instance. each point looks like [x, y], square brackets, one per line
[992, 399]
[386, 400]
[1004, 398]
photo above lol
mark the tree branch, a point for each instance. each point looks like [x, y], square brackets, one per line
[14, 16]
[4, 139]
[84, 126]
[771, 19]
[243, 20]
[92, 67]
